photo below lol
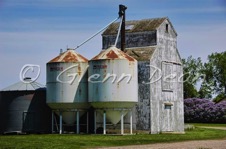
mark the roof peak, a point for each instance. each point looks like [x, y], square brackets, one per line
[24, 86]
[113, 53]
[147, 19]
[69, 56]
[137, 25]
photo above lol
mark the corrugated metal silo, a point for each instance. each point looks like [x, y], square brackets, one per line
[113, 83]
[23, 108]
[67, 86]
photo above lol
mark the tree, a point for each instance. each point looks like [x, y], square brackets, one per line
[219, 98]
[216, 72]
[205, 90]
[211, 76]
[192, 69]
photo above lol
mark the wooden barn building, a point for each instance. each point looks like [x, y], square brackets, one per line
[153, 43]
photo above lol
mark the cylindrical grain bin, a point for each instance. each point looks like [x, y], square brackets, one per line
[23, 108]
[113, 83]
[67, 86]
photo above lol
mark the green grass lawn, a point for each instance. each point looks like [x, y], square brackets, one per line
[208, 125]
[92, 141]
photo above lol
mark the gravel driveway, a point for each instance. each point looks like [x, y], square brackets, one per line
[204, 144]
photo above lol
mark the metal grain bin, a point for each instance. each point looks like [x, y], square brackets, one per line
[67, 86]
[113, 83]
[23, 109]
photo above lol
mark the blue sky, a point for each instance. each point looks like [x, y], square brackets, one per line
[34, 31]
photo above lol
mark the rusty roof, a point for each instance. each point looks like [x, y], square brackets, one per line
[69, 56]
[113, 53]
[136, 26]
[141, 53]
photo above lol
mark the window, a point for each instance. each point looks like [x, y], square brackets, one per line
[168, 105]
[167, 76]
[167, 28]
[129, 27]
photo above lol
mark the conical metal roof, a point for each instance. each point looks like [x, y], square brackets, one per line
[27, 85]
[69, 56]
[113, 53]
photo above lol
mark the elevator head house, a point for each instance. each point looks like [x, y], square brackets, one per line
[153, 43]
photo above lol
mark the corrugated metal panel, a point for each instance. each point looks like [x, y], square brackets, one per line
[25, 111]
[65, 92]
[15, 111]
[70, 92]
[21, 86]
[69, 56]
[108, 91]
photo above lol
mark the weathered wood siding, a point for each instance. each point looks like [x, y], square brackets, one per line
[167, 92]
[155, 91]
[140, 39]
[143, 105]
[160, 100]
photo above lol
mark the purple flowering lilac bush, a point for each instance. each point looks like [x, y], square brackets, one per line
[204, 111]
